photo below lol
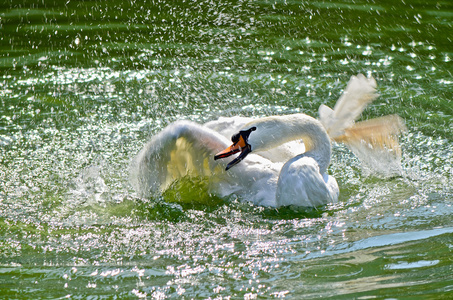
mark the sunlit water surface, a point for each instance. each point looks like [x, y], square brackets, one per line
[84, 85]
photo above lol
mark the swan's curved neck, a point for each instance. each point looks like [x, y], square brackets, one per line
[277, 130]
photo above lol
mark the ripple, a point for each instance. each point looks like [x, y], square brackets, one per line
[412, 265]
[332, 270]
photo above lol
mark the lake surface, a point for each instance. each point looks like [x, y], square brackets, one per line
[84, 85]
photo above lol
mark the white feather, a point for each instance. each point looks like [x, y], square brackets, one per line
[373, 141]
[359, 92]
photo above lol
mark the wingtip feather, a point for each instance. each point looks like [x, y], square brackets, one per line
[379, 133]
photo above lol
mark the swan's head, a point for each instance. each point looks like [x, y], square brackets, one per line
[240, 144]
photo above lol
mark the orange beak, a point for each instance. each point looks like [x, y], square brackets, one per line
[239, 145]
[233, 149]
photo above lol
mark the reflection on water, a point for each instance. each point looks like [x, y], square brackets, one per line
[83, 85]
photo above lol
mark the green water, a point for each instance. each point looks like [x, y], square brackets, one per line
[84, 85]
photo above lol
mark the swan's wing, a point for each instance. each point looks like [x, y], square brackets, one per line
[182, 148]
[375, 143]
[228, 126]
[378, 133]
[359, 92]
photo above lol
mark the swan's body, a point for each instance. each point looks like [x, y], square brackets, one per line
[188, 149]
[269, 171]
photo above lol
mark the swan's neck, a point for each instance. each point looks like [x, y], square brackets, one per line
[277, 130]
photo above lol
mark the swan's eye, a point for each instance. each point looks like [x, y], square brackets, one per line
[239, 145]
[235, 138]
[244, 133]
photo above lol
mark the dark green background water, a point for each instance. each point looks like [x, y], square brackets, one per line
[84, 84]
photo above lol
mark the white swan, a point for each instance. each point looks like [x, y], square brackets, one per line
[268, 171]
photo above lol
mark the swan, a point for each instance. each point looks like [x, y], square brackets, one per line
[302, 180]
[281, 161]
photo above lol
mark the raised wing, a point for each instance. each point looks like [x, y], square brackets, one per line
[359, 92]
[182, 148]
[375, 143]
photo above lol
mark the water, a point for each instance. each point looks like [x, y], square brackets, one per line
[85, 84]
